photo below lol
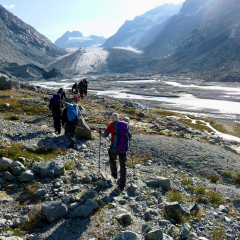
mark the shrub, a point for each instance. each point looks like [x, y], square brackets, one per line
[213, 178]
[237, 178]
[13, 118]
[215, 197]
[187, 181]
[200, 190]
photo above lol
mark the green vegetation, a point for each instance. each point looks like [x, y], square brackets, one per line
[15, 150]
[175, 196]
[218, 233]
[13, 117]
[187, 180]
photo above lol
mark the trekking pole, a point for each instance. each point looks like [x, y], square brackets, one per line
[100, 150]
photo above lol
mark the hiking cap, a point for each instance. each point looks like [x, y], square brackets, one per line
[115, 117]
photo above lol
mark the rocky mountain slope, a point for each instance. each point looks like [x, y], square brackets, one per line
[135, 31]
[21, 45]
[76, 39]
[184, 183]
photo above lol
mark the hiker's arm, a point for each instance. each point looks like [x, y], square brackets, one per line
[104, 134]
[64, 117]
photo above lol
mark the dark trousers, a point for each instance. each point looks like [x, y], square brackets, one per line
[70, 130]
[113, 165]
[57, 123]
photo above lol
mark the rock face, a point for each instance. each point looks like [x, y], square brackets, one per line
[82, 130]
[18, 37]
[5, 83]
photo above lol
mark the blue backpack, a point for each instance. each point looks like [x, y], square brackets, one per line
[73, 113]
[121, 137]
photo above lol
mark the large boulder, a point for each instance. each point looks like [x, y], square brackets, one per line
[17, 168]
[5, 163]
[5, 83]
[54, 210]
[82, 130]
[127, 235]
[52, 169]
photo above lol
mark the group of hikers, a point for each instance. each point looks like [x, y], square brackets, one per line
[80, 87]
[67, 115]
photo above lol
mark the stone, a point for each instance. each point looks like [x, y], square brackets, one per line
[189, 207]
[127, 235]
[154, 235]
[173, 210]
[82, 211]
[5, 163]
[161, 181]
[146, 228]
[82, 130]
[52, 169]
[74, 189]
[54, 210]
[40, 193]
[27, 176]
[236, 202]
[185, 230]
[17, 221]
[33, 237]
[17, 168]
[150, 213]
[125, 219]
[92, 203]
[5, 83]
[8, 176]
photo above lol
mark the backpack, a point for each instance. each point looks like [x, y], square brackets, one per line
[55, 104]
[73, 113]
[121, 137]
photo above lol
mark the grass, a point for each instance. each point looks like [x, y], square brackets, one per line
[215, 197]
[201, 190]
[15, 232]
[14, 151]
[71, 165]
[32, 188]
[13, 117]
[175, 196]
[187, 180]
[218, 233]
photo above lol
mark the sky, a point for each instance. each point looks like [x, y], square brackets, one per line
[53, 18]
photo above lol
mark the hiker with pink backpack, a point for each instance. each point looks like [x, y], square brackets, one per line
[120, 136]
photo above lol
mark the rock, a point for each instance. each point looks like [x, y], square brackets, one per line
[82, 211]
[125, 219]
[236, 202]
[126, 236]
[91, 203]
[149, 213]
[5, 163]
[40, 192]
[185, 230]
[161, 181]
[27, 176]
[11, 238]
[17, 168]
[136, 184]
[229, 149]
[82, 130]
[154, 235]
[51, 74]
[52, 169]
[173, 210]
[33, 237]
[189, 207]
[5, 83]
[146, 228]
[54, 210]
[74, 189]
[8, 176]
[17, 221]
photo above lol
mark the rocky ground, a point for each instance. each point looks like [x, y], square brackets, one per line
[184, 183]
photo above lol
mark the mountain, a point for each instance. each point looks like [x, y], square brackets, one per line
[76, 39]
[207, 42]
[21, 44]
[133, 32]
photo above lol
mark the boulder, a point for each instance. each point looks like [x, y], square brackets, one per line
[127, 235]
[82, 211]
[17, 221]
[82, 130]
[52, 169]
[91, 203]
[154, 235]
[160, 181]
[125, 219]
[8, 176]
[17, 168]
[27, 176]
[5, 83]
[54, 210]
[5, 163]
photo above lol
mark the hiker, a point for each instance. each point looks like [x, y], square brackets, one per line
[75, 91]
[62, 92]
[55, 104]
[120, 135]
[70, 117]
[85, 81]
[81, 87]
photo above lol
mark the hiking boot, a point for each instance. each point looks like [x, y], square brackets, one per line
[114, 176]
[121, 187]
[72, 144]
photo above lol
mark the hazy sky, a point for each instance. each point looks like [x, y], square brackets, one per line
[53, 18]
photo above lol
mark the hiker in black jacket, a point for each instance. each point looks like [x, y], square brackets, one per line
[85, 81]
[56, 106]
[81, 87]
[75, 91]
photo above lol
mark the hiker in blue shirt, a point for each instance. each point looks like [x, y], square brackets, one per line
[70, 117]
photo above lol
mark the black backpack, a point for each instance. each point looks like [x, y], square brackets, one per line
[60, 91]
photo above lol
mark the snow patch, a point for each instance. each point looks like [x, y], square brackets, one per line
[129, 48]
